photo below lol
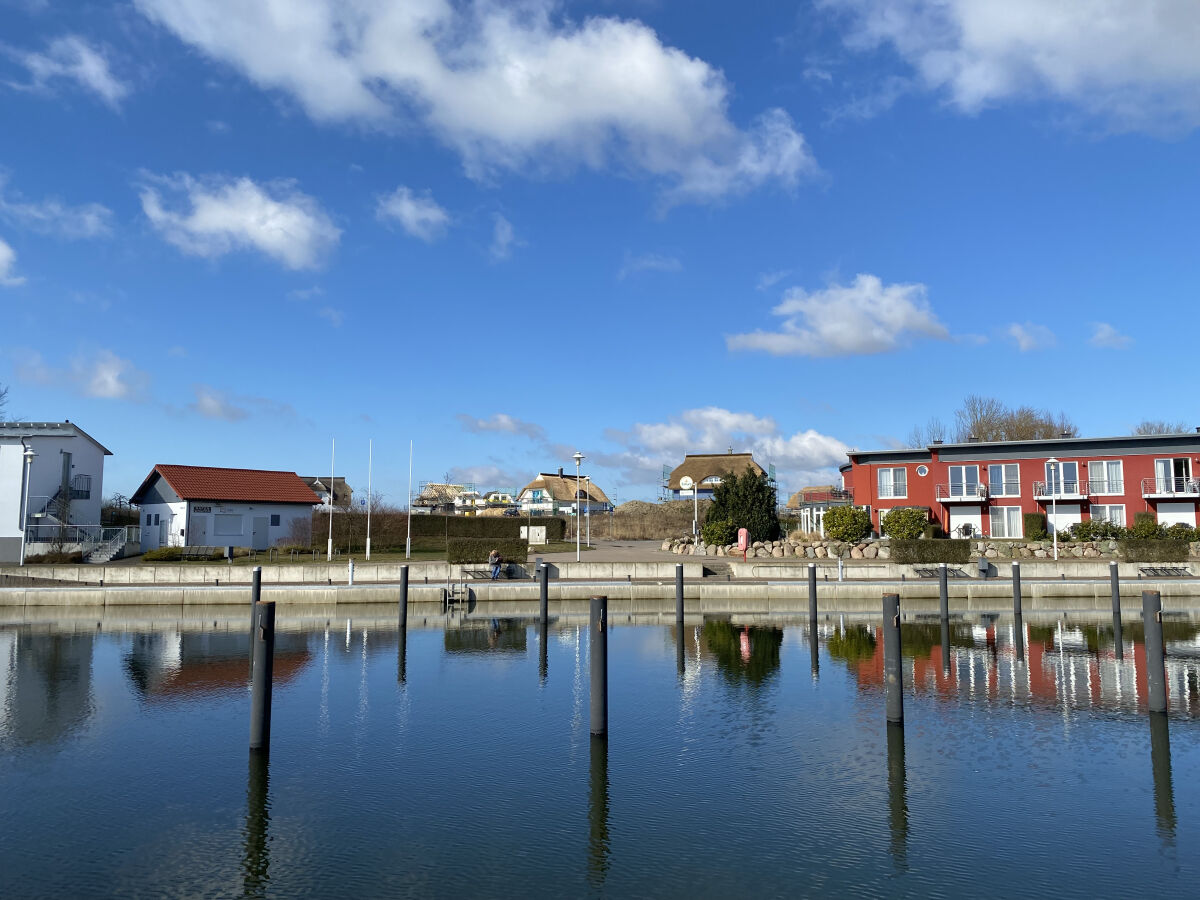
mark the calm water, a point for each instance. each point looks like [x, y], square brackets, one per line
[464, 767]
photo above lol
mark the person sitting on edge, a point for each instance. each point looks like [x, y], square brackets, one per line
[494, 562]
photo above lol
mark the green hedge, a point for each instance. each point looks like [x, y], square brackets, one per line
[719, 532]
[905, 523]
[1035, 526]
[464, 551]
[163, 554]
[847, 523]
[485, 526]
[1152, 550]
[924, 551]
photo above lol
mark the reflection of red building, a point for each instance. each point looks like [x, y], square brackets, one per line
[179, 666]
[1052, 675]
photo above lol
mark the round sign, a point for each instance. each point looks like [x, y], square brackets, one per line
[686, 482]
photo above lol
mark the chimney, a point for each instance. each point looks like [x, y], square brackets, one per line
[560, 474]
[939, 440]
[972, 439]
[1067, 434]
[1198, 429]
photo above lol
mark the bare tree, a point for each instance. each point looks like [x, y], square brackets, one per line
[1151, 426]
[3, 402]
[989, 419]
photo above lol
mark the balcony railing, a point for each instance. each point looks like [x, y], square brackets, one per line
[1063, 488]
[1170, 487]
[964, 493]
[81, 487]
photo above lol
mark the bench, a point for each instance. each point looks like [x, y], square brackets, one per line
[198, 552]
[1164, 571]
[932, 572]
[506, 571]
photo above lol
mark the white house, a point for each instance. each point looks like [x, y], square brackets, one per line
[552, 493]
[64, 487]
[199, 506]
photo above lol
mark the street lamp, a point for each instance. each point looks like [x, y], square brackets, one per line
[578, 459]
[1053, 464]
[28, 455]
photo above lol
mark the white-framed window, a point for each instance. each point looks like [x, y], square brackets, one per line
[1062, 478]
[880, 515]
[922, 471]
[227, 525]
[1114, 513]
[1106, 476]
[893, 482]
[712, 479]
[1005, 521]
[1004, 480]
[964, 481]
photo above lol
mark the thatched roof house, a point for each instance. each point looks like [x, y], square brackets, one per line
[437, 497]
[706, 471]
[554, 492]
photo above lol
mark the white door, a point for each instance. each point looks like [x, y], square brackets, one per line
[1170, 513]
[258, 537]
[1061, 516]
[199, 535]
[963, 516]
[164, 527]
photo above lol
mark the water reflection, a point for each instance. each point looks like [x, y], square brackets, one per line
[1068, 664]
[598, 840]
[500, 635]
[1164, 790]
[255, 853]
[680, 651]
[897, 794]
[543, 650]
[45, 686]
[402, 656]
[174, 665]
[745, 654]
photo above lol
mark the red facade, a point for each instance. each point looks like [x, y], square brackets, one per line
[984, 488]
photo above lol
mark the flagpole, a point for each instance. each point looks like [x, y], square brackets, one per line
[329, 545]
[370, 457]
[408, 530]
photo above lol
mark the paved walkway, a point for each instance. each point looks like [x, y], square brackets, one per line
[613, 551]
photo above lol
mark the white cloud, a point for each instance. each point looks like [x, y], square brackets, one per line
[489, 477]
[8, 264]
[801, 456]
[214, 216]
[104, 374]
[52, 216]
[71, 58]
[648, 262]
[418, 214]
[508, 87]
[502, 423]
[1104, 335]
[504, 238]
[768, 280]
[334, 317]
[1131, 62]
[863, 317]
[1028, 336]
[212, 403]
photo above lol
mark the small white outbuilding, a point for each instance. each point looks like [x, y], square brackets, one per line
[201, 506]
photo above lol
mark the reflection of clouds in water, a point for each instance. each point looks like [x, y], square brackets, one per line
[323, 715]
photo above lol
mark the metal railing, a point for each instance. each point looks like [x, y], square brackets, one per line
[1171, 486]
[961, 492]
[87, 537]
[1062, 488]
[81, 487]
[1004, 488]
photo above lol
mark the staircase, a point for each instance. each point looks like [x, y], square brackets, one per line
[718, 570]
[106, 550]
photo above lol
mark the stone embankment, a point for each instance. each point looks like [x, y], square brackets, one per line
[783, 549]
[877, 549]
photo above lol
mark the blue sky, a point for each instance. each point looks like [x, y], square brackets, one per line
[231, 231]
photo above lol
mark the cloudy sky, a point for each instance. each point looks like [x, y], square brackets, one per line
[231, 230]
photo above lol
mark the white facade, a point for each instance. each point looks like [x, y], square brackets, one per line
[66, 481]
[171, 522]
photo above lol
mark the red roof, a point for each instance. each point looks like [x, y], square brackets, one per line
[207, 483]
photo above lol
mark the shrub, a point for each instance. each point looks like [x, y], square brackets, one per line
[1146, 527]
[52, 558]
[847, 523]
[1153, 550]
[1096, 530]
[463, 551]
[719, 532]
[1035, 526]
[747, 501]
[916, 551]
[163, 554]
[1180, 531]
[905, 523]
[933, 531]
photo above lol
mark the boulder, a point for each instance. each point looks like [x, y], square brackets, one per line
[885, 552]
[870, 551]
[777, 553]
[666, 545]
[855, 553]
[820, 552]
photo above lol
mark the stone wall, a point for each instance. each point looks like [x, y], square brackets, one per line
[877, 549]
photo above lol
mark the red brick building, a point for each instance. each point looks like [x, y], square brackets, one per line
[984, 487]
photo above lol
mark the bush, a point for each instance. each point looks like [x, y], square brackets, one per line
[905, 523]
[747, 501]
[62, 557]
[464, 551]
[933, 531]
[916, 551]
[1097, 530]
[163, 554]
[1153, 550]
[1035, 526]
[1180, 531]
[847, 523]
[1146, 527]
[719, 532]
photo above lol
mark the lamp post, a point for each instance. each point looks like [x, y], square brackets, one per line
[1053, 464]
[29, 455]
[578, 460]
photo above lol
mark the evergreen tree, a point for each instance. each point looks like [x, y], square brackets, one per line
[747, 501]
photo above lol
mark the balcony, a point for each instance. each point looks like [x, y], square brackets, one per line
[1062, 490]
[961, 493]
[1188, 488]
